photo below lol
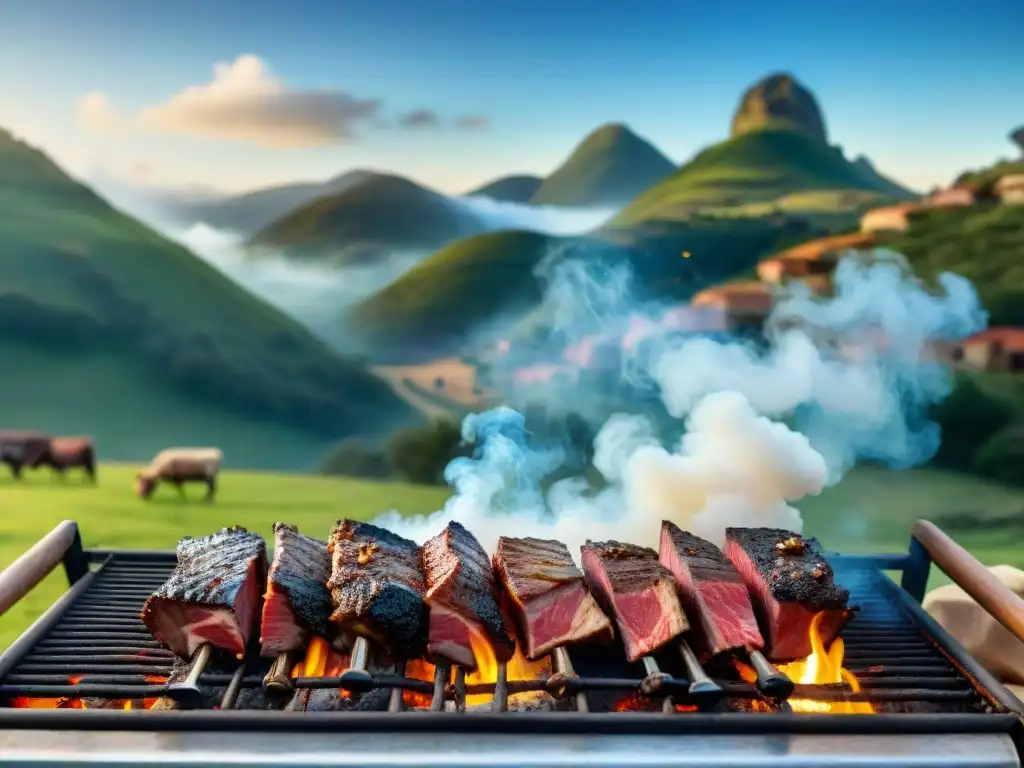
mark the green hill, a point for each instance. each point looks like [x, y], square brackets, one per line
[252, 211]
[984, 243]
[755, 167]
[381, 212]
[609, 167]
[84, 287]
[510, 189]
[476, 288]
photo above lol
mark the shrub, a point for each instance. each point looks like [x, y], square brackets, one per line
[421, 454]
[356, 457]
[1001, 457]
[969, 417]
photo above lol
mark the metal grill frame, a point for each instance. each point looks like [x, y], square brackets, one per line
[914, 567]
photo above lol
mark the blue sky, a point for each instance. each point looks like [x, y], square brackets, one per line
[925, 89]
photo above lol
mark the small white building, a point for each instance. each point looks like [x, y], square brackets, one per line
[1011, 189]
[955, 197]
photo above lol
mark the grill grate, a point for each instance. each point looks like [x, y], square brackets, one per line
[96, 639]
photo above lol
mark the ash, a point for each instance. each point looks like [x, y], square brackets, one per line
[523, 702]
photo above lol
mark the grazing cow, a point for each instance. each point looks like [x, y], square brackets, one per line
[178, 466]
[22, 449]
[64, 453]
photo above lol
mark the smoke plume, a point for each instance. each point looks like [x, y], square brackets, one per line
[546, 219]
[838, 379]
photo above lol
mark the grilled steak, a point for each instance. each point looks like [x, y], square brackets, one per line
[638, 591]
[714, 596]
[377, 587]
[212, 596]
[790, 581]
[462, 594]
[297, 604]
[546, 595]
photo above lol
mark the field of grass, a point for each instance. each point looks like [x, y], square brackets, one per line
[413, 382]
[871, 510]
[111, 516]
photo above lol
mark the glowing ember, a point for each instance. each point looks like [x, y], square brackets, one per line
[22, 702]
[820, 668]
[418, 670]
[321, 660]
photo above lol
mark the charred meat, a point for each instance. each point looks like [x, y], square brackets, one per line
[297, 604]
[546, 595]
[790, 582]
[212, 596]
[638, 591]
[377, 587]
[714, 596]
[462, 594]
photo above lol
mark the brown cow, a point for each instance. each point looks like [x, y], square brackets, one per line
[178, 466]
[19, 449]
[64, 453]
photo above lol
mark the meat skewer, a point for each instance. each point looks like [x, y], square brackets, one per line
[462, 595]
[377, 591]
[641, 594]
[716, 598]
[212, 596]
[297, 604]
[547, 596]
[790, 582]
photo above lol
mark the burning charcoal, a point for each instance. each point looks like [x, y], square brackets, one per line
[211, 695]
[213, 595]
[790, 581]
[297, 604]
[377, 588]
[461, 592]
[547, 595]
[638, 591]
[713, 593]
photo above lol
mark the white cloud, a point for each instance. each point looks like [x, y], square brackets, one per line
[244, 102]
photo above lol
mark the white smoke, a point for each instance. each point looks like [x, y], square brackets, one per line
[546, 219]
[312, 293]
[850, 374]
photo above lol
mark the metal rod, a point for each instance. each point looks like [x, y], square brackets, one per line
[230, 697]
[397, 701]
[771, 682]
[355, 677]
[278, 679]
[441, 675]
[562, 663]
[500, 701]
[704, 691]
[186, 692]
[655, 681]
[460, 688]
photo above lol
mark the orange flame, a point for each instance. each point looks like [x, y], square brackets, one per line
[418, 670]
[820, 668]
[518, 668]
[321, 661]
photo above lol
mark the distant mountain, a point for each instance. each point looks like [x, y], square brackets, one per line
[779, 101]
[1017, 137]
[109, 329]
[510, 189]
[759, 167]
[609, 167]
[252, 211]
[379, 214]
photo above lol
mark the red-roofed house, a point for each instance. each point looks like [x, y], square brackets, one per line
[995, 349]
[744, 304]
